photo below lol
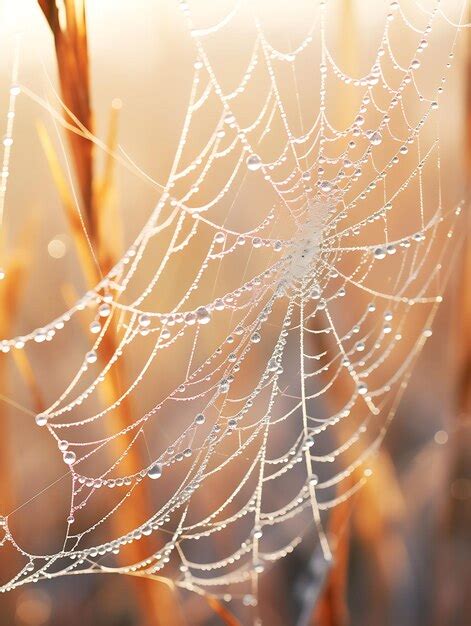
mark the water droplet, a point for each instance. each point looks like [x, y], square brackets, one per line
[253, 162]
[200, 419]
[155, 471]
[41, 420]
[69, 457]
[224, 385]
[95, 327]
[190, 318]
[144, 320]
[40, 336]
[104, 310]
[376, 138]
[91, 357]
[359, 120]
[202, 315]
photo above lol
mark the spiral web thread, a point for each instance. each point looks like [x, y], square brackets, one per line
[258, 404]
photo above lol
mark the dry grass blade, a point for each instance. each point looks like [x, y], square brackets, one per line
[227, 617]
[377, 504]
[11, 290]
[67, 21]
[332, 609]
[452, 561]
[86, 259]
[109, 225]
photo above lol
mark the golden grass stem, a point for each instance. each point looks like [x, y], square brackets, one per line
[157, 603]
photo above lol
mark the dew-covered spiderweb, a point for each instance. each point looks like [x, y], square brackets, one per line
[265, 306]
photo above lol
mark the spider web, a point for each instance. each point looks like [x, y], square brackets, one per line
[297, 253]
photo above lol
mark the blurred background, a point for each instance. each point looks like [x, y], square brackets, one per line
[402, 543]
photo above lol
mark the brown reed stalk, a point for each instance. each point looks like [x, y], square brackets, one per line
[68, 26]
[331, 608]
[362, 519]
[157, 603]
[346, 525]
[219, 609]
[452, 562]
[11, 291]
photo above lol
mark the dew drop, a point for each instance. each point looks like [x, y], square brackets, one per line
[200, 419]
[40, 336]
[202, 315]
[91, 357]
[190, 318]
[376, 138]
[359, 120]
[104, 310]
[69, 457]
[95, 327]
[253, 162]
[155, 471]
[224, 385]
[144, 320]
[41, 420]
